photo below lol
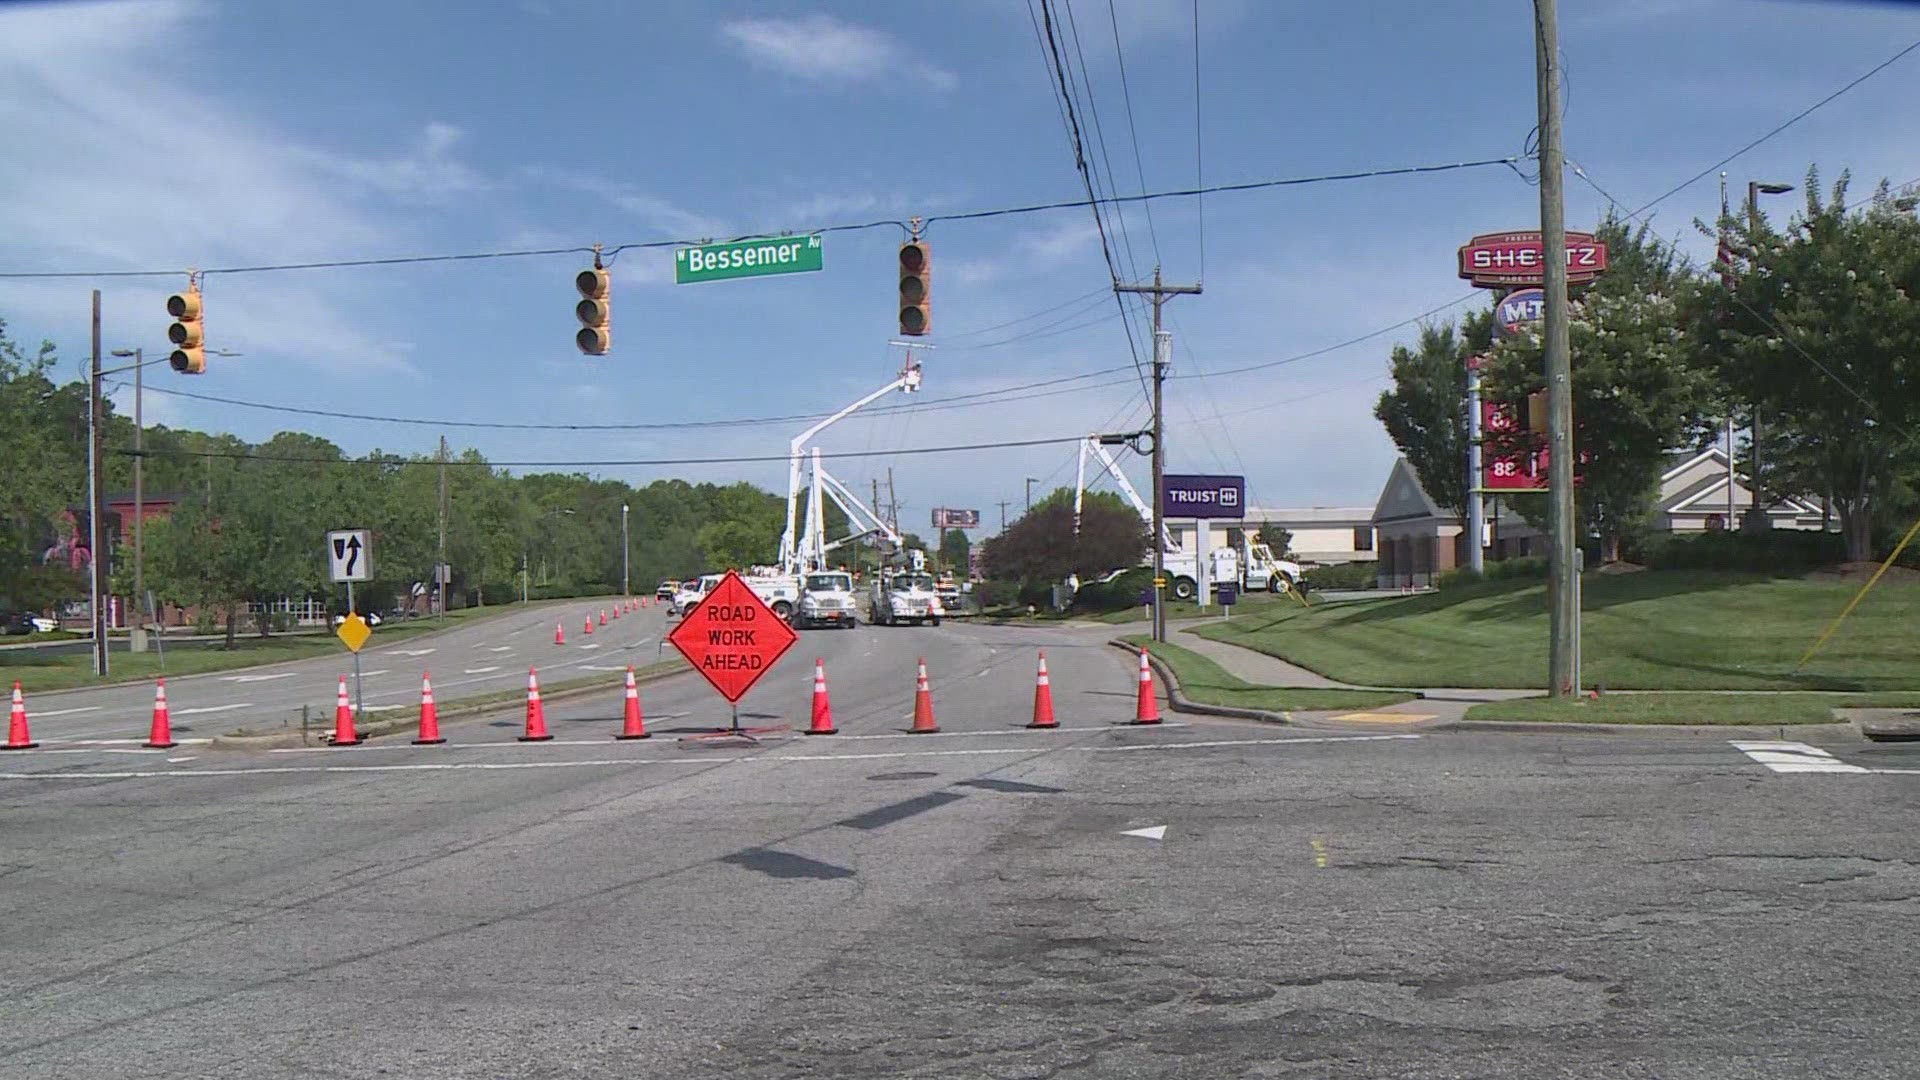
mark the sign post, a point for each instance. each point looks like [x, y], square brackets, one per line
[350, 559]
[747, 258]
[732, 638]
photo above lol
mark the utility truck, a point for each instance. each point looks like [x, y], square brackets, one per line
[826, 599]
[903, 592]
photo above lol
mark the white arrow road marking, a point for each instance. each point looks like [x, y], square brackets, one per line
[38, 714]
[1794, 757]
[1153, 832]
[213, 709]
[480, 670]
[259, 678]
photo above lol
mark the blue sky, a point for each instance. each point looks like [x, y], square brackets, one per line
[177, 133]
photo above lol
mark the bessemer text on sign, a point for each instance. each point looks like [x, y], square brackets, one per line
[747, 258]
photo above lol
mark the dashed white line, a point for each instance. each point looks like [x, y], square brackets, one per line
[213, 708]
[41, 713]
[480, 670]
[501, 648]
[258, 678]
[1795, 757]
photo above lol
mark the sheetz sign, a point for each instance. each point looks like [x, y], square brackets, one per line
[1494, 260]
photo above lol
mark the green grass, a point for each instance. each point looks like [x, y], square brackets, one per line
[1759, 710]
[1205, 681]
[37, 672]
[1661, 630]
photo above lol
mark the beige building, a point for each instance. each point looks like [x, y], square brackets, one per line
[1321, 534]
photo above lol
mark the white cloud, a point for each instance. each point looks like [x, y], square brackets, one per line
[116, 164]
[820, 47]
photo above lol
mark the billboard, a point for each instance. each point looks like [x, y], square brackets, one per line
[1518, 309]
[1194, 495]
[1493, 260]
[945, 518]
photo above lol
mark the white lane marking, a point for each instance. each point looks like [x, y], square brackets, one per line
[983, 673]
[213, 708]
[591, 645]
[480, 670]
[258, 678]
[1786, 757]
[178, 760]
[93, 750]
[496, 766]
[117, 742]
[1152, 832]
[411, 652]
[375, 671]
[613, 667]
[501, 648]
[1020, 731]
[39, 714]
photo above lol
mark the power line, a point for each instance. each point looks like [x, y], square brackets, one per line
[1199, 171]
[1796, 118]
[1081, 299]
[1133, 132]
[389, 460]
[972, 215]
[958, 401]
[1341, 345]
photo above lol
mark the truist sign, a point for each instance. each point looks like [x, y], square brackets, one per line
[1498, 260]
[1188, 495]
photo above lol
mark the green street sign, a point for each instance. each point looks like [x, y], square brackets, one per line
[747, 258]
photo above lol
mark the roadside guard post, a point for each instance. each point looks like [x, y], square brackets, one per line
[731, 637]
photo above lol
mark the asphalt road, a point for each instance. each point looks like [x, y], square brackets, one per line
[1367, 903]
[471, 658]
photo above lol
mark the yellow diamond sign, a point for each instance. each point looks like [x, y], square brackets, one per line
[354, 632]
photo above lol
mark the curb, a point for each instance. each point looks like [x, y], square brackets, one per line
[1180, 702]
[1548, 727]
[484, 705]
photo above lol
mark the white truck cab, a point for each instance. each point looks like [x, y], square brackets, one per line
[904, 596]
[826, 599]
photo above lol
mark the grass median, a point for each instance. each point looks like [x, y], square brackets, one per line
[64, 672]
[1756, 710]
[1658, 630]
[1208, 683]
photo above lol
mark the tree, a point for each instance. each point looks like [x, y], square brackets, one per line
[1425, 413]
[1639, 390]
[1278, 539]
[1819, 328]
[1041, 547]
[954, 550]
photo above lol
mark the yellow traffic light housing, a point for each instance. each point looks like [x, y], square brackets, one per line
[916, 274]
[595, 311]
[189, 339]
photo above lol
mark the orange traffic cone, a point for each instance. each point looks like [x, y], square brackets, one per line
[1043, 698]
[429, 715]
[822, 708]
[536, 716]
[588, 629]
[635, 728]
[603, 616]
[1147, 711]
[343, 732]
[923, 705]
[616, 610]
[559, 634]
[17, 736]
[161, 735]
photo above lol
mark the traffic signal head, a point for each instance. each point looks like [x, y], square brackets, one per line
[916, 272]
[595, 312]
[189, 352]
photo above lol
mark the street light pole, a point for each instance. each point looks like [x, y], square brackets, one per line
[137, 637]
[1755, 189]
[626, 587]
[1030, 482]
[97, 609]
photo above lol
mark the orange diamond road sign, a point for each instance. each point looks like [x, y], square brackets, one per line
[732, 637]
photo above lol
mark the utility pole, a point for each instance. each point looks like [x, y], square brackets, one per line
[1162, 353]
[99, 613]
[1564, 576]
[137, 632]
[893, 502]
[1003, 514]
[626, 588]
[440, 574]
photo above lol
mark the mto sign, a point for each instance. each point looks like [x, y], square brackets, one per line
[1192, 495]
[1517, 309]
[1516, 258]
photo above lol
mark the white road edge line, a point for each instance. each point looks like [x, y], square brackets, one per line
[38, 714]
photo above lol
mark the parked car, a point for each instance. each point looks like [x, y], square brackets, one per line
[666, 591]
[373, 619]
[15, 623]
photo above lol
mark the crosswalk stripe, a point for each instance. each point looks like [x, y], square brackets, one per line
[1795, 757]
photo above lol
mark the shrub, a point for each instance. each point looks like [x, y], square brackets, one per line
[1351, 575]
[1778, 550]
[1120, 593]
